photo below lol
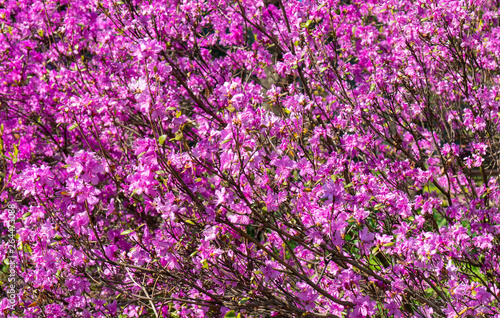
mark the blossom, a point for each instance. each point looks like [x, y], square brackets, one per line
[364, 307]
[245, 157]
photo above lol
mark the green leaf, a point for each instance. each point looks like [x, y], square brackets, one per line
[27, 248]
[25, 215]
[72, 127]
[243, 300]
[126, 232]
[230, 314]
[162, 139]
[307, 24]
[178, 135]
[141, 154]
[143, 224]
[14, 154]
[205, 263]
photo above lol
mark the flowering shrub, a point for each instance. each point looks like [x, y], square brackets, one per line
[243, 158]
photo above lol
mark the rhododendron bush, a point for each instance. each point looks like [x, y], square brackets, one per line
[250, 158]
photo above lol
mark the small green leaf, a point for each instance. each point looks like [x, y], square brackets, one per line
[26, 215]
[126, 232]
[481, 259]
[205, 263]
[143, 224]
[72, 127]
[141, 154]
[178, 135]
[243, 300]
[162, 139]
[230, 314]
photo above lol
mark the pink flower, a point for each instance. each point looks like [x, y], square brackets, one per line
[364, 307]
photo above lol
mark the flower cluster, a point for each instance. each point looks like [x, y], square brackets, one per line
[271, 158]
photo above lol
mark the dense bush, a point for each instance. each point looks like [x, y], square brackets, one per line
[249, 158]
